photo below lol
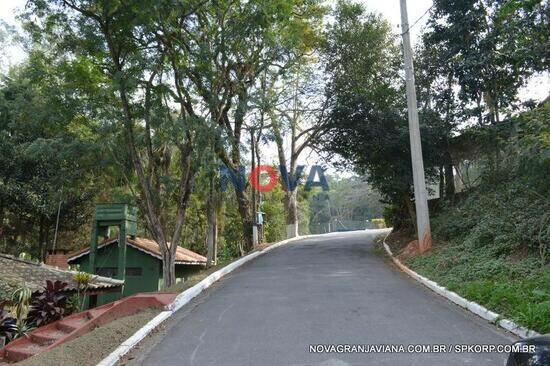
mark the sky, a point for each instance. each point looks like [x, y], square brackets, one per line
[537, 88]
[390, 10]
[11, 55]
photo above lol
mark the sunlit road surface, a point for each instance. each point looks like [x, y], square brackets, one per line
[331, 289]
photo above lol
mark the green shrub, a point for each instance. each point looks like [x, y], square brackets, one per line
[492, 246]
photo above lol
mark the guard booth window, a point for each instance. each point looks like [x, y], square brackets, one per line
[112, 271]
[133, 271]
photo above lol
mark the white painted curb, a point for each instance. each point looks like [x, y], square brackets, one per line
[471, 306]
[184, 298]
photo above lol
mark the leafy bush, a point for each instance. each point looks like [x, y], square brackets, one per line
[226, 252]
[397, 217]
[22, 329]
[74, 303]
[8, 325]
[493, 245]
[21, 298]
[274, 218]
[49, 305]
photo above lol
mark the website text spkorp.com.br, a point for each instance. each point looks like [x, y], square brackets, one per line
[420, 348]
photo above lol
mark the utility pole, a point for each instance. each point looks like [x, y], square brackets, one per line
[254, 223]
[420, 193]
[57, 222]
[211, 213]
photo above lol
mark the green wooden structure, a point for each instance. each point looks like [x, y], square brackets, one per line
[131, 259]
[108, 215]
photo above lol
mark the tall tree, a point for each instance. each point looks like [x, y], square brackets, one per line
[222, 57]
[367, 105]
[491, 47]
[296, 110]
[142, 95]
[50, 158]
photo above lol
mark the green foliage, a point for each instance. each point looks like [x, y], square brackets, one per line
[49, 304]
[396, 217]
[227, 252]
[367, 104]
[22, 329]
[21, 298]
[508, 208]
[78, 301]
[45, 160]
[82, 279]
[304, 211]
[349, 200]
[493, 244]
[174, 101]
[231, 229]
[8, 324]
[489, 48]
[73, 304]
[274, 219]
[516, 287]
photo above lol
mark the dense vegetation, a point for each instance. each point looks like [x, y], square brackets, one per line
[348, 205]
[493, 244]
[128, 102]
[486, 152]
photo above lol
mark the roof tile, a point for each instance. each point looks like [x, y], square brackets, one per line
[15, 273]
[151, 247]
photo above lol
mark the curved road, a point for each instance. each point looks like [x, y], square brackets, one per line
[330, 289]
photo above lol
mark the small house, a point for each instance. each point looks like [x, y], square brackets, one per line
[143, 264]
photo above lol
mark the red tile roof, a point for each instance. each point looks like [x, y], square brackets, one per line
[151, 247]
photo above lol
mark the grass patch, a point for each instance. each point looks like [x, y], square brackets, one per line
[492, 241]
[197, 277]
[518, 289]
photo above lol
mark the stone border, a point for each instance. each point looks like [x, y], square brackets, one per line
[471, 306]
[184, 298]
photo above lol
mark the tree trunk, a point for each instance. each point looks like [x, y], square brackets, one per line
[441, 182]
[247, 220]
[1, 219]
[46, 240]
[211, 233]
[168, 269]
[41, 238]
[412, 212]
[449, 181]
[253, 190]
[291, 209]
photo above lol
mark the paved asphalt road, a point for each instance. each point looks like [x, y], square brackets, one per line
[331, 289]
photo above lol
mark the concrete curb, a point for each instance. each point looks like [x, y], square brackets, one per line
[184, 298]
[471, 306]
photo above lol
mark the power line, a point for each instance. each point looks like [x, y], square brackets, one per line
[416, 21]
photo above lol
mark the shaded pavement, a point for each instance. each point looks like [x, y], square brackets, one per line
[330, 289]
